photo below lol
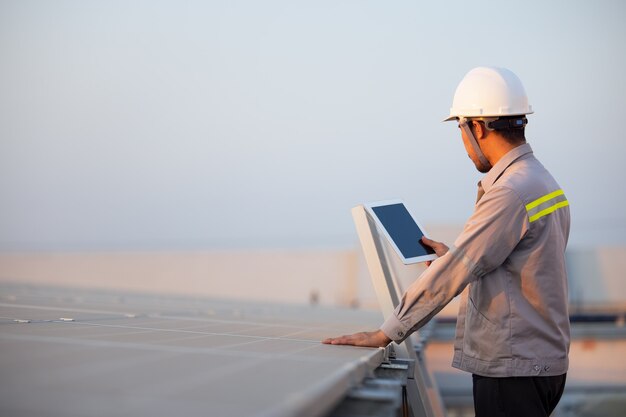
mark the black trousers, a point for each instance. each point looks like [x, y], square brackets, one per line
[532, 396]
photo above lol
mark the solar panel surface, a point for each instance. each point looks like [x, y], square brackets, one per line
[83, 352]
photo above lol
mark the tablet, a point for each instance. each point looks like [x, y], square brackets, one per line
[402, 230]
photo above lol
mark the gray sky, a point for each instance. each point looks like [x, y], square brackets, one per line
[184, 124]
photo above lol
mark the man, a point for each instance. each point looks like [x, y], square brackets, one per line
[513, 326]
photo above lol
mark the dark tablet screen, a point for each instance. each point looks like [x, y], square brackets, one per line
[405, 233]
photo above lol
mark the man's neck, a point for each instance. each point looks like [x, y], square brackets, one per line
[498, 148]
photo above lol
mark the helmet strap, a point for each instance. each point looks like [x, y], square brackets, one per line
[472, 139]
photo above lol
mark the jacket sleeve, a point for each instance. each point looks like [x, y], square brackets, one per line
[497, 225]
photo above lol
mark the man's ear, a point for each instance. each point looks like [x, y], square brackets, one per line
[479, 129]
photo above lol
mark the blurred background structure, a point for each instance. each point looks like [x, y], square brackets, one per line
[215, 149]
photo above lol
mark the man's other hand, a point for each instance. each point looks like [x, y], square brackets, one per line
[367, 339]
[439, 248]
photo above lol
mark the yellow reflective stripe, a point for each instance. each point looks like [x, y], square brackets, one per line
[548, 210]
[543, 199]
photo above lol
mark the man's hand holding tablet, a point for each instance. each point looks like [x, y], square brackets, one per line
[439, 248]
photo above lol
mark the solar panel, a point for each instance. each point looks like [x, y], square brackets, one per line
[84, 352]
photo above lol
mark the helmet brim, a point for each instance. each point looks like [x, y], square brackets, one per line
[497, 116]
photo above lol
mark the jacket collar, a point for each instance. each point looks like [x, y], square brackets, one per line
[496, 171]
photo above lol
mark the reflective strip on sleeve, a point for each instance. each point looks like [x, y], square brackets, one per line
[546, 205]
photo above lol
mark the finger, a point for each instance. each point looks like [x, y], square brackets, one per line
[335, 340]
[429, 242]
[343, 340]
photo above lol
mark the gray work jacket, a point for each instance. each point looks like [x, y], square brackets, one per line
[509, 262]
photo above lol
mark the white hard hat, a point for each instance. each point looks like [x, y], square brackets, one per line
[489, 92]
